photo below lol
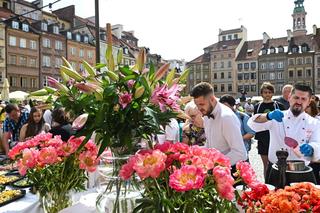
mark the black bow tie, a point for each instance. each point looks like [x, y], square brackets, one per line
[210, 116]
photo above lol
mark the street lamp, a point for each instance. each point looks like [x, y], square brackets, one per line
[97, 29]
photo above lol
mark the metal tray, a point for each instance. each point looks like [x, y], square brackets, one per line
[23, 193]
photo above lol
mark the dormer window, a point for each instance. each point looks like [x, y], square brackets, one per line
[264, 51]
[55, 29]
[44, 26]
[295, 49]
[25, 27]
[86, 39]
[15, 25]
[125, 50]
[272, 50]
[78, 37]
[304, 48]
[280, 49]
[69, 35]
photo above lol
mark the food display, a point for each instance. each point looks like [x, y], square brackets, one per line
[8, 179]
[8, 196]
[23, 183]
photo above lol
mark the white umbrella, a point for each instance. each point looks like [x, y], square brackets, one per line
[5, 90]
[18, 95]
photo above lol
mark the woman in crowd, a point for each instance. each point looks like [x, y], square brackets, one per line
[312, 109]
[61, 125]
[34, 126]
[193, 131]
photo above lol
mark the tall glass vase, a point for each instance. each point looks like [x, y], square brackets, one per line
[54, 201]
[116, 195]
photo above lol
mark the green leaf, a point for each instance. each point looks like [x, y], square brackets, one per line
[126, 70]
[104, 144]
[119, 56]
[184, 75]
[100, 65]
[151, 70]
[129, 77]
[145, 83]
[170, 77]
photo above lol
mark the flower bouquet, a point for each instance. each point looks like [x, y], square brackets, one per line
[182, 178]
[55, 167]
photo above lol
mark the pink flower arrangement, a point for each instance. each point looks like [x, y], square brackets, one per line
[166, 97]
[246, 172]
[224, 181]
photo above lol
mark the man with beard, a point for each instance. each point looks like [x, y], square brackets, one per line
[293, 123]
[221, 125]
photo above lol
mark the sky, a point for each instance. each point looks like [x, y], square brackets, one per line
[180, 29]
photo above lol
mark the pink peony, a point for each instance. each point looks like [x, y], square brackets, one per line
[150, 165]
[246, 172]
[224, 182]
[88, 161]
[125, 99]
[22, 168]
[42, 137]
[16, 150]
[48, 155]
[127, 169]
[165, 97]
[75, 142]
[55, 142]
[187, 178]
[29, 157]
[90, 146]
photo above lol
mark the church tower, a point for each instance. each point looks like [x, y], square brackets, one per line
[299, 19]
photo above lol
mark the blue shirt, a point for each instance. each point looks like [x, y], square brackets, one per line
[10, 125]
[245, 129]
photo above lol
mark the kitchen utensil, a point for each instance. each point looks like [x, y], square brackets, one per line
[288, 140]
[296, 165]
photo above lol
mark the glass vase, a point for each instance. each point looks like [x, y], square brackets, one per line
[54, 202]
[116, 195]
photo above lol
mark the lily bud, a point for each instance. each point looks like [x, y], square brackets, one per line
[41, 92]
[80, 121]
[71, 73]
[161, 72]
[56, 84]
[87, 87]
[139, 92]
[112, 75]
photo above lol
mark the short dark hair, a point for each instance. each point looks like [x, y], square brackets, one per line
[201, 89]
[303, 88]
[10, 107]
[228, 99]
[268, 86]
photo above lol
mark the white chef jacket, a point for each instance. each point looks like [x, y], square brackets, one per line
[223, 133]
[304, 129]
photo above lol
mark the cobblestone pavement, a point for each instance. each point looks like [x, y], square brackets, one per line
[256, 161]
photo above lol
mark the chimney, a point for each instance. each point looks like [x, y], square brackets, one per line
[314, 27]
[220, 31]
[289, 35]
[266, 37]
[117, 30]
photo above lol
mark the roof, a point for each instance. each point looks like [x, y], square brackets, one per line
[5, 13]
[201, 59]
[26, 3]
[224, 45]
[250, 50]
[238, 30]
[129, 34]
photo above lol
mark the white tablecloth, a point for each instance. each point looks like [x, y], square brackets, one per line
[84, 203]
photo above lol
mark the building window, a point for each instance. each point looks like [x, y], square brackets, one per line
[235, 36]
[23, 61]
[263, 76]
[290, 73]
[205, 76]
[12, 41]
[24, 83]
[215, 76]
[253, 65]
[44, 26]
[222, 64]
[222, 75]
[299, 73]
[272, 76]
[280, 75]
[25, 27]
[253, 76]
[58, 62]
[229, 75]
[33, 83]
[308, 60]
[299, 61]
[215, 88]
[229, 55]
[215, 65]
[58, 45]
[23, 43]
[86, 39]
[304, 48]
[32, 62]
[15, 25]
[246, 66]
[291, 61]
[191, 76]
[13, 81]
[246, 76]
[46, 61]
[271, 65]
[280, 65]
[222, 88]
[90, 54]
[81, 53]
[73, 50]
[198, 75]
[272, 50]
[56, 30]
[1, 52]
[295, 49]
[318, 72]
[198, 67]
[224, 38]
[229, 37]
[280, 49]
[45, 81]
[264, 51]
[229, 87]
[246, 88]
[78, 37]
[69, 35]
[308, 73]
[229, 64]
[240, 88]
[263, 66]
[253, 88]
[318, 60]
[46, 43]
[13, 59]
[33, 45]
[240, 77]
[239, 66]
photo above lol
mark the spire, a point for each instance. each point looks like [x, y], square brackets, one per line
[299, 18]
[299, 8]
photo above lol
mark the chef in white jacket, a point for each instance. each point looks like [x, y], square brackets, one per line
[293, 123]
[221, 125]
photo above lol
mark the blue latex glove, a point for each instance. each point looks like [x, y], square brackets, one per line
[306, 149]
[275, 115]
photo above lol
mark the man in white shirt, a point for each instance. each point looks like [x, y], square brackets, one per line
[171, 132]
[293, 123]
[221, 125]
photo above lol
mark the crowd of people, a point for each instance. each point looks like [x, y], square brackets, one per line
[222, 123]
